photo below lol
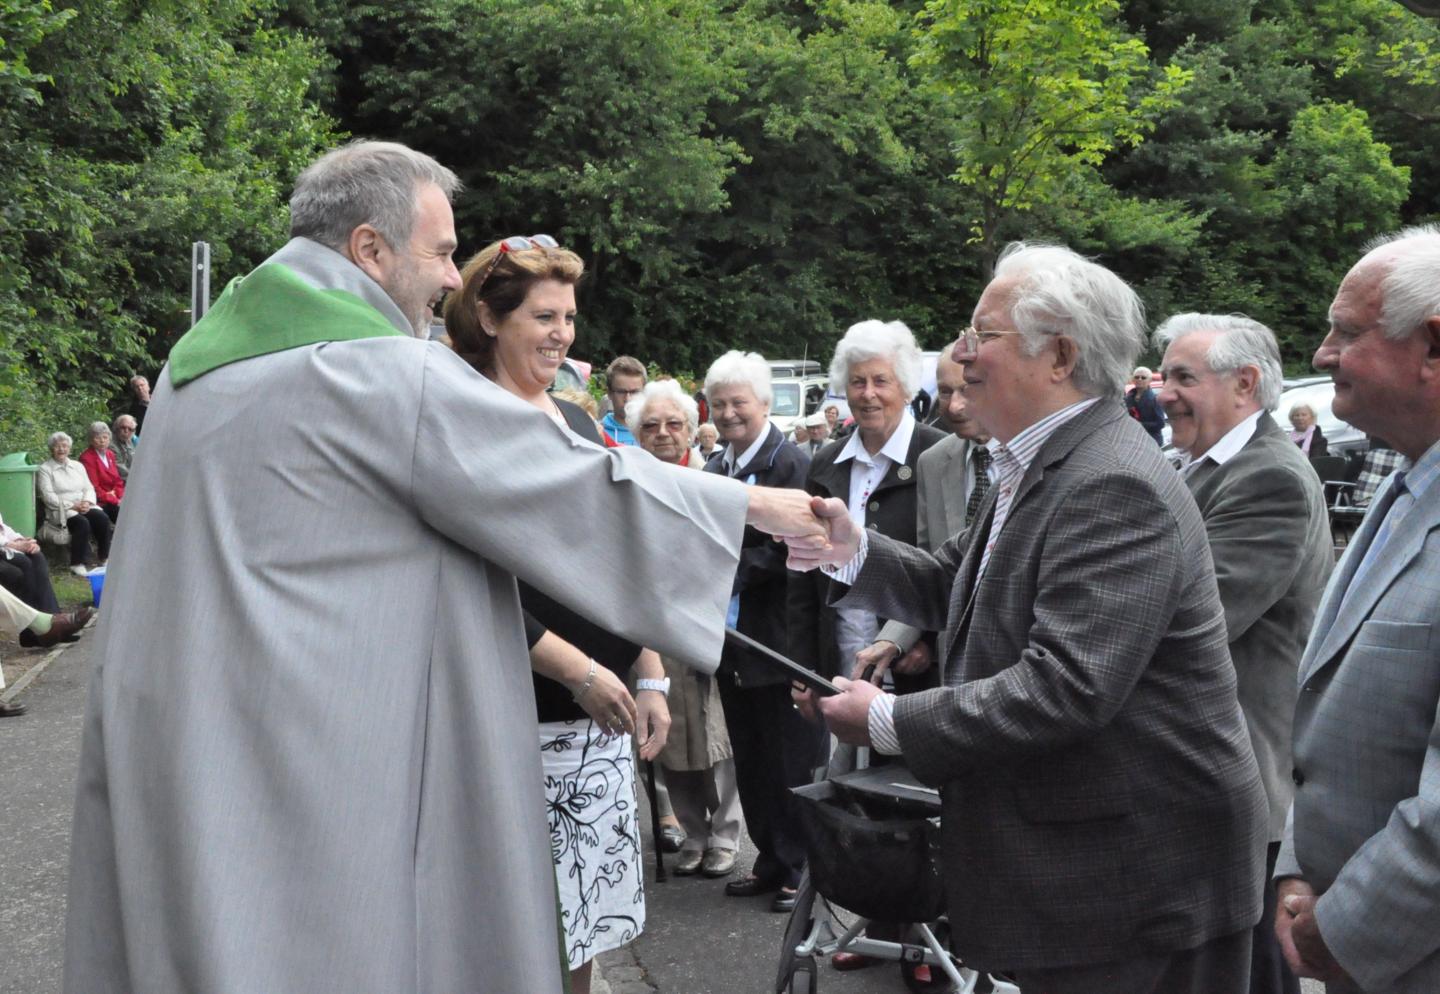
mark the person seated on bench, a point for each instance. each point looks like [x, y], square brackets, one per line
[24, 572]
[104, 471]
[37, 629]
[70, 504]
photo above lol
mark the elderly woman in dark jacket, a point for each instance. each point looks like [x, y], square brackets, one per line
[872, 471]
[775, 748]
[699, 771]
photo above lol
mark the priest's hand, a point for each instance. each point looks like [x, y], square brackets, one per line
[786, 514]
[842, 537]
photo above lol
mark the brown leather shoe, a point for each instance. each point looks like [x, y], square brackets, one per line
[63, 626]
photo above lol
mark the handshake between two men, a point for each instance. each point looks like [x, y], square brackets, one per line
[819, 532]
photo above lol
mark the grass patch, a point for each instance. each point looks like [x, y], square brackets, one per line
[70, 590]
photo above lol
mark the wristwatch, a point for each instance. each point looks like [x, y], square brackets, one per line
[662, 685]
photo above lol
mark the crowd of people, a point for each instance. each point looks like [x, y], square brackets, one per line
[1177, 748]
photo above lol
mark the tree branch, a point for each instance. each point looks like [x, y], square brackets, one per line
[1425, 8]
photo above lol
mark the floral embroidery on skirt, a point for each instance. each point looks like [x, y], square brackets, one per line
[594, 837]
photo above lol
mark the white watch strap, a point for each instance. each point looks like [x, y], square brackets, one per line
[662, 685]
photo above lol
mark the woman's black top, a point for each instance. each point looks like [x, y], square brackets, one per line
[552, 700]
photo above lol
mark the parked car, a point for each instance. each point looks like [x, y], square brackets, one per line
[792, 368]
[794, 398]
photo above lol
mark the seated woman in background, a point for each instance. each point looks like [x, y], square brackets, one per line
[1306, 433]
[699, 770]
[69, 500]
[124, 444]
[513, 320]
[103, 469]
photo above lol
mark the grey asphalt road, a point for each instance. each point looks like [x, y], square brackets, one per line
[38, 755]
[697, 940]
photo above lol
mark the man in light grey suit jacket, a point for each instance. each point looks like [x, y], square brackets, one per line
[1103, 817]
[1359, 870]
[946, 476]
[1269, 535]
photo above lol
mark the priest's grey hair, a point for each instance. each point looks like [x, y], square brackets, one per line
[365, 182]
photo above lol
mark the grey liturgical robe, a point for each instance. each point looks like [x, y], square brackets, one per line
[309, 760]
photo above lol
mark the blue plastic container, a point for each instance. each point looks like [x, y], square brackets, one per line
[97, 583]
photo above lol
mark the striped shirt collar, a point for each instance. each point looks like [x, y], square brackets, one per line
[1023, 448]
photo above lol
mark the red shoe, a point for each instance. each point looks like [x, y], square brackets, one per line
[852, 961]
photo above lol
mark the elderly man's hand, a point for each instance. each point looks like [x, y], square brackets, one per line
[841, 542]
[876, 658]
[1299, 933]
[847, 714]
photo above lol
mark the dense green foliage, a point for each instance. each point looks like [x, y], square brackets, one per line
[760, 173]
[129, 130]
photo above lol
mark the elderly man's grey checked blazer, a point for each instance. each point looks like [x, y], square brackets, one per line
[1100, 797]
[1365, 826]
[1269, 534]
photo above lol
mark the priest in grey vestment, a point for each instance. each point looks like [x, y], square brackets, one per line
[309, 759]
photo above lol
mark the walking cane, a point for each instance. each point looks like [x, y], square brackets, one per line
[655, 820]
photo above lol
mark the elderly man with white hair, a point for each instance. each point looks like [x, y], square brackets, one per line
[1103, 816]
[1359, 868]
[124, 443]
[1269, 535]
[775, 748]
[697, 757]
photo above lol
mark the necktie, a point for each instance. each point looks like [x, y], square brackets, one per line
[980, 457]
[1402, 503]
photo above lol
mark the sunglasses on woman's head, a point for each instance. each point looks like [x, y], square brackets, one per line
[516, 243]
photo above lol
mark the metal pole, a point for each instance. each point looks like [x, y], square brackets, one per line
[199, 280]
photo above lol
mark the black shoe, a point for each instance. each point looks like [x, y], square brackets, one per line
[11, 710]
[750, 887]
[784, 900]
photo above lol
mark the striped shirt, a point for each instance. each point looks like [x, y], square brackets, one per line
[1009, 462]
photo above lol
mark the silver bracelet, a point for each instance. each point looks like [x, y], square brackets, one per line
[585, 687]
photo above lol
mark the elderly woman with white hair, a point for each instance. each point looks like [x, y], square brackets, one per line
[104, 470]
[70, 507]
[775, 748]
[1306, 433]
[699, 770]
[873, 472]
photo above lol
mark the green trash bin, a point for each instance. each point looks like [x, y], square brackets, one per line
[17, 492]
